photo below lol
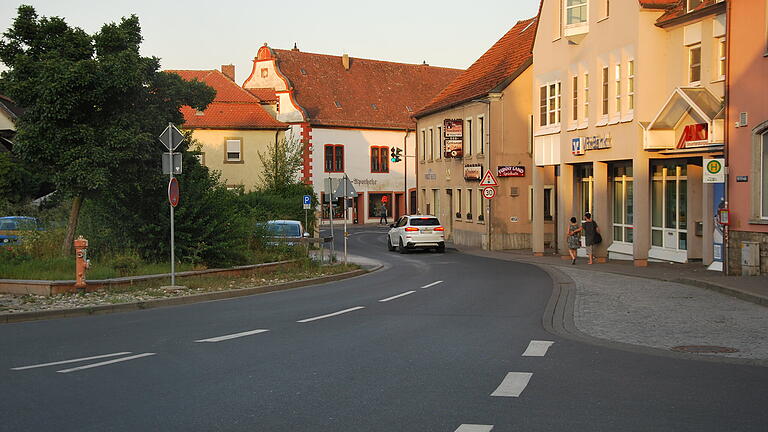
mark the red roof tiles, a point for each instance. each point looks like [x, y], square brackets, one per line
[371, 94]
[232, 108]
[505, 59]
[678, 9]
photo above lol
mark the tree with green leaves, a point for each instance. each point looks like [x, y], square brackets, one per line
[93, 105]
[282, 162]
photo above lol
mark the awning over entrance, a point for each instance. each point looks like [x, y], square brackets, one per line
[701, 106]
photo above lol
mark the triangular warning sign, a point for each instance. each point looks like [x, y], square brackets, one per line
[488, 180]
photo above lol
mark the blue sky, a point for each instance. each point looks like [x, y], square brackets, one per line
[207, 34]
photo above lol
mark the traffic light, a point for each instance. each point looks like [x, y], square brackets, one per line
[399, 154]
[393, 155]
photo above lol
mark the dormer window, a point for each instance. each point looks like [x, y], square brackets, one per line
[373, 106]
[303, 72]
[337, 103]
[199, 112]
[576, 12]
[264, 72]
[693, 4]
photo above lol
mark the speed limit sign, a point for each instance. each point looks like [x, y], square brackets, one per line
[489, 192]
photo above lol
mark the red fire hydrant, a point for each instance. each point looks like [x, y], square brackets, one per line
[81, 262]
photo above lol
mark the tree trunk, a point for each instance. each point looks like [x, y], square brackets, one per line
[66, 247]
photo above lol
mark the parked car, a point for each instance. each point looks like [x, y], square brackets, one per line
[289, 232]
[416, 231]
[13, 228]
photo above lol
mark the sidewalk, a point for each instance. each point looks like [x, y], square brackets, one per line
[750, 288]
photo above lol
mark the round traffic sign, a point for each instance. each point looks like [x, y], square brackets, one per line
[714, 166]
[173, 192]
[489, 192]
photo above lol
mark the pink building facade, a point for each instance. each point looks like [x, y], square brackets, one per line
[747, 83]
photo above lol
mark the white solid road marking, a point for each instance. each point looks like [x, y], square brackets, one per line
[106, 363]
[232, 336]
[513, 385]
[331, 314]
[70, 361]
[537, 348]
[474, 428]
[432, 284]
[397, 296]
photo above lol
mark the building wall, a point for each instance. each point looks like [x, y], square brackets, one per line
[441, 180]
[357, 163]
[748, 69]
[5, 121]
[245, 173]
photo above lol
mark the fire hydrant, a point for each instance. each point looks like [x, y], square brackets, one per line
[81, 262]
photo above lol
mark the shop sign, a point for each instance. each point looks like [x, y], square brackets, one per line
[454, 134]
[364, 182]
[511, 171]
[714, 170]
[580, 145]
[473, 172]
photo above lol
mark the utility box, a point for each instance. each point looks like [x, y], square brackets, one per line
[750, 258]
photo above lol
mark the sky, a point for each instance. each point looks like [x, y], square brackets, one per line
[206, 34]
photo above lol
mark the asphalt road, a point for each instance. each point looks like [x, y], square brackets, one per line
[432, 342]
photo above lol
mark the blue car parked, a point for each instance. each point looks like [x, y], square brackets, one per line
[12, 228]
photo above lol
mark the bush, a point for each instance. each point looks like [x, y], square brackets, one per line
[285, 203]
[126, 263]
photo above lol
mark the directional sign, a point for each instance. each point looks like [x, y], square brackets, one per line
[171, 137]
[489, 179]
[173, 192]
[489, 192]
[307, 202]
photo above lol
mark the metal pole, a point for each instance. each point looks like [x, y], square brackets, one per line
[173, 257]
[346, 179]
[330, 217]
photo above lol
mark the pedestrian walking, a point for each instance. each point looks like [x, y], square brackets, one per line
[574, 239]
[591, 235]
[383, 213]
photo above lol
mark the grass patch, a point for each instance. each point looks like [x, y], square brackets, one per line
[63, 268]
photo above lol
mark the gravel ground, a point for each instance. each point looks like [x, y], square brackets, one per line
[151, 290]
[665, 315]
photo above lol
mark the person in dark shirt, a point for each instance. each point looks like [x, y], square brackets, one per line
[590, 233]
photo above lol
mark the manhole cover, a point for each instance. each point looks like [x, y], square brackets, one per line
[704, 349]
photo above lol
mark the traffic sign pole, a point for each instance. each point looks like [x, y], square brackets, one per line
[173, 233]
[171, 141]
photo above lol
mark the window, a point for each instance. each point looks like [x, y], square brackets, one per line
[481, 134]
[631, 85]
[377, 200]
[605, 91]
[692, 4]
[379, 159]
[440, 149]
[459, 207]
[617, 78]
[721, 58]
[334, 158]
[586, 96]
[669, 204]
[431, 144]
[549, 202]
[575, 12]
[423, 145]
[468, 135]
[234, 150]
[623, 210]
[480, 206]
[694, 64]
[575, 106]
[470, 203]
[264, 72]
[550, 104]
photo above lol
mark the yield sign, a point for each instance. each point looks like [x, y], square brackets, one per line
[171, 137]
[488, 180]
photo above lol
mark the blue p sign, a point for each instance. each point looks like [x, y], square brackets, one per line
[307, 199]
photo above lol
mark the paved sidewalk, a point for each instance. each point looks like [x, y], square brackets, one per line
[648, 307]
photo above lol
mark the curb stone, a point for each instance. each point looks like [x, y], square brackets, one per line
[8, 318]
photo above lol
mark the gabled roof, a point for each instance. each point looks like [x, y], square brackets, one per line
[263, 94]
[9, 106]
[699, 102]
[232, 108]
[371, 94]
[677, 11]
[658, 4]
[506, 59]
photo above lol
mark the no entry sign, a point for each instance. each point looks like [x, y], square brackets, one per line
[173, 192]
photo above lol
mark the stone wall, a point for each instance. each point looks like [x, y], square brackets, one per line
[734, 250]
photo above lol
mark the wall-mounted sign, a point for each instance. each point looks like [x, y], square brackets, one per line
[742, 179]
[430, 175]
[454, 133]
[511, 171]
[473, 172]
[714, 170]
[580, 145]
[364, 182]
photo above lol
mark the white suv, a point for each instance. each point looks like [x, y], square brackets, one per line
[416, 231]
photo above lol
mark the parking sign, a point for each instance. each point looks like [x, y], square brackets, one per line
[307, 202]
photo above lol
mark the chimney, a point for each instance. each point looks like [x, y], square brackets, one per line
[295, 47]
[228, 71]
[345, 61]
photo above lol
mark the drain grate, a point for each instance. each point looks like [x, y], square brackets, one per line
[704, 349]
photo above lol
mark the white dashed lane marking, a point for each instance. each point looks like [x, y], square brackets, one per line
[397, 296]
[537, 348]
[70, 361]
[432, 284]
[513, 385]
[474, 428]
[331, 314]
[232, 336]
[109, 362]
